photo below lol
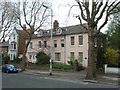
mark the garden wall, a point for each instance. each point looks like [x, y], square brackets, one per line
[112, 70]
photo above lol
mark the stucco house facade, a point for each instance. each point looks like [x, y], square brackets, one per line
[4, 47]
[16, 41]
[68, 43]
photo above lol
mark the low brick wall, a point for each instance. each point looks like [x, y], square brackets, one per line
[112, 70]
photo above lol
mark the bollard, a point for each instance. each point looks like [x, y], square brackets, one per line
[105, 68]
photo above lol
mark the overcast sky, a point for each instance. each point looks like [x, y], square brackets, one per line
[60, 12]
[61, 9]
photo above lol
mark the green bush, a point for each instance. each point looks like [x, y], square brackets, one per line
[42, 58]
[6, 59]
[111, 55]
[61, 66]
[18, 60]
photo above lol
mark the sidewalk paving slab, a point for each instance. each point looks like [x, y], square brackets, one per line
[75, 76]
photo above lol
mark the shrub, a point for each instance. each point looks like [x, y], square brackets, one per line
[6, 59]
[111, 56]
[18, 60]
[42, 58]
[61, 66]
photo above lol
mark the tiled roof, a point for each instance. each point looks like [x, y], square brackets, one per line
[75, 29]
[4, 44]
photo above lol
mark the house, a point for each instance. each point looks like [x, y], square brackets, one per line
[68, 43]
[17, 43]
[4, 48]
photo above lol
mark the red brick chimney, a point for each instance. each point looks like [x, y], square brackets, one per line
[55, 25]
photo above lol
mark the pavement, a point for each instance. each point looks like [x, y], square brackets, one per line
[73, 76]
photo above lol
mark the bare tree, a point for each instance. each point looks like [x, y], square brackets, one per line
[33, 14]
[92, 16]
[7, 19]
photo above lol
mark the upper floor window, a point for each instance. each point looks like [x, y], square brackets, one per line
[39, 44]
[55, 43]
[62, 43]
[13, 36]
[72, 40]
[11, 46]
[81, 40]
[45, 44]
[14, 46]
[31, 45]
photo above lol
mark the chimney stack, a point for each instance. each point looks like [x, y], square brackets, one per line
[55, 25]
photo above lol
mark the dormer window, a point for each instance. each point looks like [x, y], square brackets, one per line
[59, 31]
[40, 33]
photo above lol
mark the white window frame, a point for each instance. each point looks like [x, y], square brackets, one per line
[80, 54]
[57, 56]
[72, 42]
[55, 43]
[72, 56]
[80, 38]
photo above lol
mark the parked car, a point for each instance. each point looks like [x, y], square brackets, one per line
[7, 68]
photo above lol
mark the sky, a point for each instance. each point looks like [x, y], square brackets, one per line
[61, 9]
[60, 12]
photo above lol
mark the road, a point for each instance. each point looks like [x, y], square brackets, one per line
[21, 80]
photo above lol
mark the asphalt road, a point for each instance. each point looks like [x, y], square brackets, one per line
[21, 80]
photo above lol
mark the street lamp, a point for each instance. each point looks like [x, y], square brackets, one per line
[50, 40]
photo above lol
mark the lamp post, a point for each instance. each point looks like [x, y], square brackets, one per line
[50, 73]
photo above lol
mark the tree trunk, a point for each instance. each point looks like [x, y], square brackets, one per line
[91, 56]
[24, 58]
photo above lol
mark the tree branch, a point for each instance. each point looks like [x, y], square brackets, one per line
[114, 6]
[87, 11]
[82, 14]
[31, 16]
[93, 12]
[99, 6]
[105, 22]
[81, 22]
[71, 9]
[101, 14]
[24, 12]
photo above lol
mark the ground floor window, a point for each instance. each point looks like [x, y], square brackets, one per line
[12, 56]
[72, 56]
[32, 58]
[57, 56]
[80, 56]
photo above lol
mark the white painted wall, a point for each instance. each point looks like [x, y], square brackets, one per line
[11, 51]
[112, 70]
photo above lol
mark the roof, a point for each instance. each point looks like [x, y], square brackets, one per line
[17, 30]
[75, 29]
[5, 44]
